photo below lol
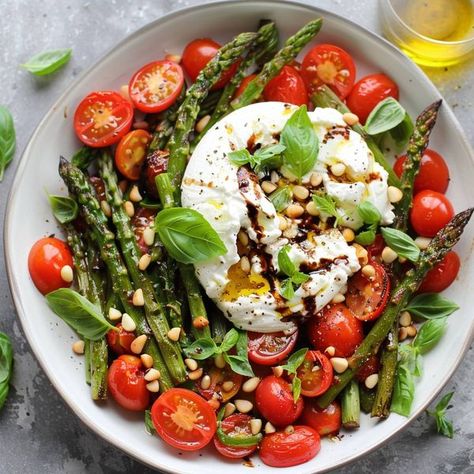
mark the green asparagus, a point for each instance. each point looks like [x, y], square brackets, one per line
[350, 406]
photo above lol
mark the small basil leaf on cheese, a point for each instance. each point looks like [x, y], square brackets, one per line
[281, 198]
[286, 289]
[240, 157]
[269, 157]
[386, 115]
[327, 205]
[369, 213]
[285, 264]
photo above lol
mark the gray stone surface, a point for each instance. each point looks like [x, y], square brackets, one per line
[38, 432]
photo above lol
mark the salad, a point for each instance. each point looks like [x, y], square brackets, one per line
[242, 263]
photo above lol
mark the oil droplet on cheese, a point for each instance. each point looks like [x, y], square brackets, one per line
[244, 284]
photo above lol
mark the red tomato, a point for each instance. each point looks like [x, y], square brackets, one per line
[315, 373]
[368, 92]
[376, 247]
[142, 219]
[218, 377]
[274, 400]
[198, 53]
[331, 65]
[130, 153]
[120, 341]
[285, 449]
[441, 275]
[270, 348]
[184, 419]
[236, 424]
[46, 259]
[156, 86]
[433, 173]
[431, 211]
[367, 298]
[325, 421]
[336, 326]
[244, 84]
[369, 367]
[102, 118]
[288, 87]
[126, 383]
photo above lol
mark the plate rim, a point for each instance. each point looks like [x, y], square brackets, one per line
[12, 196]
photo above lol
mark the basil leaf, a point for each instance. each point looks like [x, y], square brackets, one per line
[366, 237]
[281, 198]
[295, 360]
[296, 388]
[386, 115]
[429, 334]
[286, 289]
[187, 236]
[4, 389]
[239, 365]
[299, 277]
[201, 349]
[48, 62]
[431, 306]
[443, 425]
[7, 139]
[269, 157]
[402, 132]
[444, 402]
[403, 391]
[6, 358]
[401, 243]
[240, 157]
[230, 340]
[148, 203]
[242, 345]
[369, 213]
[285, 264]
[327, 205]
[79, 313]
[149, 426]
[84, 157]
[64, 208]
[301, 143]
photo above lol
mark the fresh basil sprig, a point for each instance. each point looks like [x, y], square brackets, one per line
[401, 243]
[443, 425]
[402, 132]
[281, 198]
[301, 143]
[187, 236]
[327, 205]
[65, 209]
[294, 361]
[240, 363]
[385, 116]
[6, 367]
[403, 391]
[84, 157]
[45, 63]
[79, 313]
[295, 277]
[371, 216]
[268, 157]
[429, 334]
[431, 306]
[7, 139]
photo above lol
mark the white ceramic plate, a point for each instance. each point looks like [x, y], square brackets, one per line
[28, 218]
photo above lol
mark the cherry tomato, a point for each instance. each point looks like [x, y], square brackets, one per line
[433, 173]
[369, 367]
[368, 92]
[183, 419]
[155, 164]
[46, 259]
[130, 153]
[288, 87]
[431, 211]
[218, 377]
[270, 348]
[198, 53]
[142, 219]
[102, 118]
[376, 247]
[331, 65]
[236, 424]
[325, 421]
[156, 86]
[315, 373]
[285, 449]
[441, 275]
[274, 400]
[244, 84]
[336, 326]
[126, 383]
[120, 341]
[367, 298]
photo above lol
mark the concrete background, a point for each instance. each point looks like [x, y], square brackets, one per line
[38, 432]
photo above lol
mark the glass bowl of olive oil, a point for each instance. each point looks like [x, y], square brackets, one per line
[433, 33]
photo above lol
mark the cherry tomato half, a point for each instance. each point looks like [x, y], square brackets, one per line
[274, 400]
[126, 383]
[442, 274]
[433, 173]
[236, 424]
[156, 86]
[325, 421]
[218, 377]
[130, 153]
[270, 348]
[288, 86]
[336, 326]
[369, 367]
[331, 65]
[198, 53]
[46, 259]
[367, 298]
[285, 449]
[183, 419]
[120, 341]
[431, 211]
[102, 118]
[315, 373]
[243, 85]
[142, 219]
[376, 247]
[368, 92]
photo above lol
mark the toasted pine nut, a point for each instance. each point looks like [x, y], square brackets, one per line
[129, 208]
[312, 208]
[371, 381]
[229, 409]
[411, 331]
[245, 264]
[316, 179]
[389, 255]
[138, 299]
[104, 205]
[269, 428]
[114, 314]
[268, 187]
[175, 58]
[144, 261]
[283, 225]
[202, 123]
[339, 364]
[124, 92]
[191, 364]
[368, 271]
[405, 319]
[300, 192]
[147, 361]
[200, 322]
[402, 334]
[394, 194]
[153, 386]
[288, 175]
[205, 382]
[422, 242]
[228, 385]
[274, 177]
[277, 371]
[330, 351]
[244, 406]
[339, 298]
[79, 347]
[348, 234]
[67, 274]
[291, 232]
[174, 334]
[293, 211]
[135, 195]
[152, 374]
[338, 169]
[219, 361]
[350, 118]
[361, 254]
[255, 426]
[195, 374]
[250, 385]
[138, 344]
[289, 429]
[128, 323]
[149, 236]
[243, 238]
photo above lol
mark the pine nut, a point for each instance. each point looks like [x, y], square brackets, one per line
[330, 351]
[283, 225]
[269, 428]
[316, 179]
[245, 264]
[149, 236]
[289, 429]
[405, 319]
[274, 177]
[114, 314]
[104, 205]
[129, 208]
[152, 374]
[227, 386]
[219, 361]
[293, 211]
[250, 385]
[138, 299]
[202, 123]
[147, 361]
[205, 382]
[195, 374]
[389, 255]
[244, 406]
[348, 234]
[338, 169]
[128, 323]
[394, 194]
[144, 261]
[124, 92]
[214, 404]
[288, 175]
[135, 195]
[350, 118]
[79, 347]
[243, 238]
[411, 331]
[402, 334]
[277, 371]
[67, 274]
[402, 259]
[368, 271]
[339, 364]
[268, 187]
[174, 334]
[422, 242]
[339, 298]
[229, 409]
[300, 192]
[291, 232]
[200, 322]
[371, 381]
[153, 387]
[361, 254]
[191, 364]
[255, 426]
[138, 344]
[175, 58]
[312, 208]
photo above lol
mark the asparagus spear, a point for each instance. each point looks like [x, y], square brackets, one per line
[367, 398]
[78, 185]
[350, 406]
[441, 244]
[325, 97]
